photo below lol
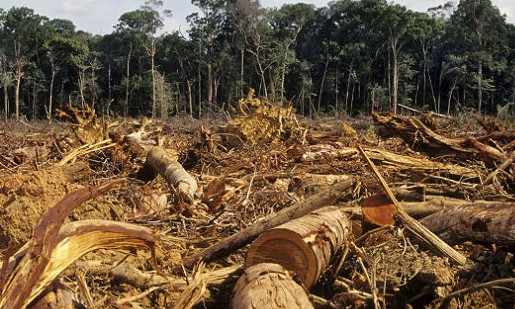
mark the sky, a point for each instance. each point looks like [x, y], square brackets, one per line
[100, 16]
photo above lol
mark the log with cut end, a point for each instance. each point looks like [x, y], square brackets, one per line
[268, 285]
[305, 245]
[481, 222]
[173, 172]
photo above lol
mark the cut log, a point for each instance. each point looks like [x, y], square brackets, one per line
[480, 222]
[234, 242]
[304, 246]
[268, 285]
[184, 185]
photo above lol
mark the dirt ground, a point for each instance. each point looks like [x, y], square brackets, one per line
[242, 179]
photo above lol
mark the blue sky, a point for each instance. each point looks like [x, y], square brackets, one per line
[99, 16]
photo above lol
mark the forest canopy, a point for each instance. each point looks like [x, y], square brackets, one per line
[349, 57]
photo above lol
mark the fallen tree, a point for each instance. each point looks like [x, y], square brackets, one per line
[416, 134]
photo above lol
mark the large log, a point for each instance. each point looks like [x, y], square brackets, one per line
[304, 246]
[481, 222]
[268, 285]
[176, 176]
[234, 242]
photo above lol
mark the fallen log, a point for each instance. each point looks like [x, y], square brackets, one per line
[268, 285]
[417, 134]
[304, 246]
[181, 182]
[481, 222]
[236, 241]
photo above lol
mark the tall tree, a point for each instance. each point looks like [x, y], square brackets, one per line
[205, 28]
[288, 22]
[24, 32]
[480, 27]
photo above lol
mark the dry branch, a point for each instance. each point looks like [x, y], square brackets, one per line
[482, 222]
[418, 230]
[416, 133]
[326, 197]
[304, 246]
[268, 285]
[173, 172]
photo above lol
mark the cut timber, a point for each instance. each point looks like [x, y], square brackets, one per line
[268, 285]
[481, 222]
[234, 242]
[184, 184]
[305, 245]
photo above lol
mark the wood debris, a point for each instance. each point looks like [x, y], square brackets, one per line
[240, 192]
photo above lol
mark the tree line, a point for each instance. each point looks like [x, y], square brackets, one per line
[348, 57]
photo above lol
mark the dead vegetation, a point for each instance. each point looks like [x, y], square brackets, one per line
[182, 214]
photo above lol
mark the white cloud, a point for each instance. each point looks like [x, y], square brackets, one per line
[99, 16]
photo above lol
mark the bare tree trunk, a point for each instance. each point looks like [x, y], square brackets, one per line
[109, 82]
[6, 103]
[152, 53]
[347, 90]
[450, 98]
[322, 85]
[479, 85]
[19, 74]
[395, 75]
[190, 98]
[51, 91]
[242, 53]
[127, 83]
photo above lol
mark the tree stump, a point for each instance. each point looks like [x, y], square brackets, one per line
[268, 285]
[304, 246]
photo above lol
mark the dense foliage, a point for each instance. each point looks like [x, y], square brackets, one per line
[348, 57]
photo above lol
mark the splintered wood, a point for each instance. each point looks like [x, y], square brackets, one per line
[54, 247]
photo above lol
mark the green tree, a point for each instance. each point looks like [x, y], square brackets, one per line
[205, 27]
[287, 22]
[480, 29]
[24, 32]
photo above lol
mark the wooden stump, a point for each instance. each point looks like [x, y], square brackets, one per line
[268, 285]
[304, 246]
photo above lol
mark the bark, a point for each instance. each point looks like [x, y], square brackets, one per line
[184, 185]
[322, 86]
[303, 246]
[51, 91]
[328, 196]
[268, 285]
[127, 83]
[492, 223]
